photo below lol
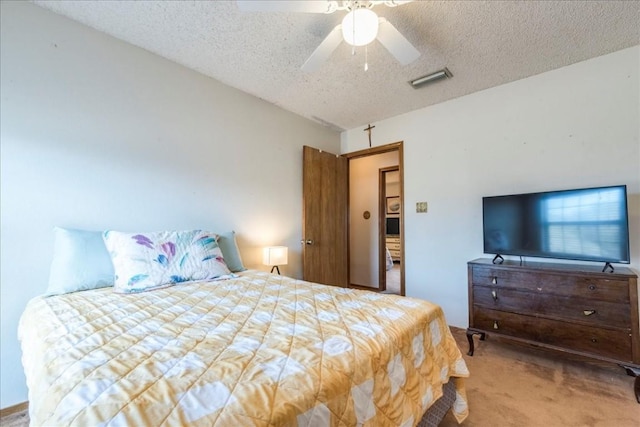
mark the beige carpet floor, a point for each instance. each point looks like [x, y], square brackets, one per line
[519, 386]
[514, 386]
[393, 279]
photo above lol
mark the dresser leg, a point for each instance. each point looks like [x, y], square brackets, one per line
[470, 334]
[470, 339]
[634, 372]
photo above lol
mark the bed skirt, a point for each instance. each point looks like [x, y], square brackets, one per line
[436, 413]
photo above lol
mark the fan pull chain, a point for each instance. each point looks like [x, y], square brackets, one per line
[366, 59]
[353, 48]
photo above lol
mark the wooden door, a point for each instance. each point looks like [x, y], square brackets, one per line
[325, 218]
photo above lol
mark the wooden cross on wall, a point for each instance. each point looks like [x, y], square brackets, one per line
[368, 129]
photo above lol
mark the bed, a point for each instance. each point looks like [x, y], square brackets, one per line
[389, 259]
[250, 349]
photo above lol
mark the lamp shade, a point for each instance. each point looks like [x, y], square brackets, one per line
[275, 255]
[360, 27]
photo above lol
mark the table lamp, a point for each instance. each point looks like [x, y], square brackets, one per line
[275, 256]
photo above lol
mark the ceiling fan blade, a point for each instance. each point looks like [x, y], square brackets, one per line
[396, 43]
[309, 6]
[322, 52]
[390, 3]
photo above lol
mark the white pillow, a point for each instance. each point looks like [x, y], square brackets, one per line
[80, 262]
[145, 261]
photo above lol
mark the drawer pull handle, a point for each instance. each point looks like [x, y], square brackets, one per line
[592, 287]
[594, 340]
[494, 280]
[495, 324]
[588, 312]
[494, 294]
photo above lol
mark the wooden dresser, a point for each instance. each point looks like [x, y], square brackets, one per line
[575, 309]
[393, 244]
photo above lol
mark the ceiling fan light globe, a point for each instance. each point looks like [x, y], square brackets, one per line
[366, 27]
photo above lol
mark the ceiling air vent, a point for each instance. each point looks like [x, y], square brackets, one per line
[430, 78]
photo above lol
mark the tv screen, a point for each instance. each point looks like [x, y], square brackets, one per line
[393, 226]
[588, 224]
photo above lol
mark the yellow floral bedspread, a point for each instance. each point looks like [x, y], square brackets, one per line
[256, 350]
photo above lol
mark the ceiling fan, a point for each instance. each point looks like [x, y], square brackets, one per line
[360, 26]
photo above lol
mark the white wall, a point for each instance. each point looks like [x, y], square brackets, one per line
[393, 187]
[577, 126]
[96, 134]
[363, 233]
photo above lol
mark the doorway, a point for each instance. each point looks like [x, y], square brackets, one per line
[390, 210]
[375, 188]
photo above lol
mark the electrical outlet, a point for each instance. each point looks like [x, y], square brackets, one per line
[421, 207]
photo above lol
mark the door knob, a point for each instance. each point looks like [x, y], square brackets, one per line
[308, 242]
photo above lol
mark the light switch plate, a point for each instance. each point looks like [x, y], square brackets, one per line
[421, 207]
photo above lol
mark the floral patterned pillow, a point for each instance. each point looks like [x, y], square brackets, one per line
[145, 261]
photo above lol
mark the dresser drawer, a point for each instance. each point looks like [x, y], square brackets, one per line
[614, 344]
[393, 240]
[393, 246]
[583, 286]
[590, 312]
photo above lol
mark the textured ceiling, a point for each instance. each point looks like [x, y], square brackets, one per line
[483, 43]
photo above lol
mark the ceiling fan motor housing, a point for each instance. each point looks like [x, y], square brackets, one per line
[360, 26]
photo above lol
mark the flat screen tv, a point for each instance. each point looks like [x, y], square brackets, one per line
[393, 226]
[587, 224]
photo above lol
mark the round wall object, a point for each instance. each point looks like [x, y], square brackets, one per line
[366, 214]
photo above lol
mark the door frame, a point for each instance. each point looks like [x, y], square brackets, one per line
[395, 146]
